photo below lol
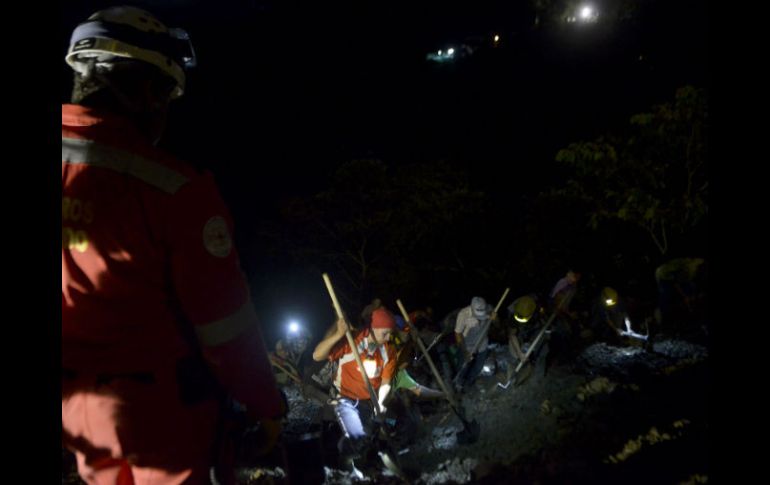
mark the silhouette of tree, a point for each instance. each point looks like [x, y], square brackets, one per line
[386, 230]
[653, 177]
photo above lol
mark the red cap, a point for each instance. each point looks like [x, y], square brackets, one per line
[381, 318]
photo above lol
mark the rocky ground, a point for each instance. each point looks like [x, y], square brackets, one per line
[636, 413]
[615, 414]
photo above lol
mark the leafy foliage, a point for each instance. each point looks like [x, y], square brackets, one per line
[654, 177]
[384, 229]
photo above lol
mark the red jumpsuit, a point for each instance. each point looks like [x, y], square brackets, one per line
[150, 282]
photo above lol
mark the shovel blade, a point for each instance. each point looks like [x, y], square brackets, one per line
[470, 432]
[391, 465]
[504, 386]
[524, 374]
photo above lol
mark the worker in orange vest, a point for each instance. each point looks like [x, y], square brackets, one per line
[354, 407]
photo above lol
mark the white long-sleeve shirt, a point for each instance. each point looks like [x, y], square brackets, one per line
[472, 329]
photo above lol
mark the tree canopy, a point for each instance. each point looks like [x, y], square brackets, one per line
[654, 176]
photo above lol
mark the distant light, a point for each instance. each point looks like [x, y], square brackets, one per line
[486, 369]
[609, 301]
[293, 327]
[585, 13]
[440, 51]
[450, 52]
[497, 38]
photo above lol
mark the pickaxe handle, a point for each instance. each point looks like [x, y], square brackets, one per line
[486, 328]
[288, 372]
[542, 332]
[424, 351]
[352, 343]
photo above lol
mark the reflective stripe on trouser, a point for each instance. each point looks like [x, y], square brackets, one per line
[141, 423]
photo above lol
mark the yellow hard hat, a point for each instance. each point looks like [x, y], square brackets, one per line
[523, 308]
[609, 296]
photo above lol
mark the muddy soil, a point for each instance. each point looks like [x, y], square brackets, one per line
[635, 413]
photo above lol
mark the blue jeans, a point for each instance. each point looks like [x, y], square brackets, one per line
[355, 419]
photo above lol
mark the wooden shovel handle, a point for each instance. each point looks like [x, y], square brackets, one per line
[352, 343]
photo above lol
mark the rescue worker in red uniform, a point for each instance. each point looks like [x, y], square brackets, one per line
[354, 407]
[157, 322]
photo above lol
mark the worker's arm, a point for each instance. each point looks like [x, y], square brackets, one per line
[460, 327]
[388, 374]
[609, 323]
[382, 394]
[461, 345]
[514, 347]
[325, 346]
[212, 293]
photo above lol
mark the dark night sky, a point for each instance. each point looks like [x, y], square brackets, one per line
[286, 90]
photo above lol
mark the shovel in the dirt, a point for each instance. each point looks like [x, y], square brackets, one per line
[471, 429]
[518, 379]
[524, 369]
[524, 374]
[470, 432]
[385, 455]
[484, 331]
[387, 460]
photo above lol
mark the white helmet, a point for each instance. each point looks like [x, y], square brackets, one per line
[131, 33]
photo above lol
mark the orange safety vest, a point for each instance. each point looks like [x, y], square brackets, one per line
[379, 362]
